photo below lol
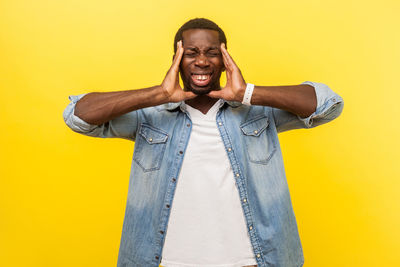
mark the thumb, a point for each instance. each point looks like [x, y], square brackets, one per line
[189, 94]
[215, 94]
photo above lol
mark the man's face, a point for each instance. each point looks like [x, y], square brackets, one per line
[202, 64]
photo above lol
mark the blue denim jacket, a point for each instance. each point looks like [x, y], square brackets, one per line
[250, 136]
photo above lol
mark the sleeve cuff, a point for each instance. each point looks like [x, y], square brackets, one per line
[327, 104]
[73, 121]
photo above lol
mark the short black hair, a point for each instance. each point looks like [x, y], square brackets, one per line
[199, 23]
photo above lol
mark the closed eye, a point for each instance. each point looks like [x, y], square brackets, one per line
[214, 52]
[209, 53]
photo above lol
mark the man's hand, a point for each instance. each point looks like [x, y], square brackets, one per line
[298, 99]
[235, 84]
[99, 107]
[170, 85]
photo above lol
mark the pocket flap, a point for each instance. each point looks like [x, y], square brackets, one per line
[152, 134]
[255, 126]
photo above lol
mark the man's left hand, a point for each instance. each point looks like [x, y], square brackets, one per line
[235, 84]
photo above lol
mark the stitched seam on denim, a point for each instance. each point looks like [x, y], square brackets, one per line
[141, 146]
[247, 135]
[257, 242]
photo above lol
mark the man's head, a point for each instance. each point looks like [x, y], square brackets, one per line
[202, 64]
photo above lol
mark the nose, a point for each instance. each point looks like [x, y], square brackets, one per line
[202, 61]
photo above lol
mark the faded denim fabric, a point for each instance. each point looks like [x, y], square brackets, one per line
[250, 136]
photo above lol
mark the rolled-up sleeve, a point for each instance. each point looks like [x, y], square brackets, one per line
[329, 107]
[124, 126]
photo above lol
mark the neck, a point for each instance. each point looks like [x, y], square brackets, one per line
[202, 103]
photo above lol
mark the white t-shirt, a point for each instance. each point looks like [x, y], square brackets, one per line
[206, 226]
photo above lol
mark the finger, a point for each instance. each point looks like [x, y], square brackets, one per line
[226, 63]
[226, 54]
[177, 79]
[178, 56]
[228, 77]
[221, 93]
[224, 58]
[229, 59]
[228, 73]
[215, 94]
[189, 94]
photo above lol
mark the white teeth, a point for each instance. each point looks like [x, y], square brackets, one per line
[201, 77]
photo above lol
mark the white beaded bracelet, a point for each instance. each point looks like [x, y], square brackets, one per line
[247, 94]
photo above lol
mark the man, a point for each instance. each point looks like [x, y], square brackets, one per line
[206, 167]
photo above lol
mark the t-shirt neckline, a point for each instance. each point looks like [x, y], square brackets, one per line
[210, 113]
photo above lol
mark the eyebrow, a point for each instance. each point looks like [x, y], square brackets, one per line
[210, 48]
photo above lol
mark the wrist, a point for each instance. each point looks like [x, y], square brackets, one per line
[159, 95]
[240, 93]
[162, 95]
[246, 100]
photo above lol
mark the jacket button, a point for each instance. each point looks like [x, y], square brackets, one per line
[181, 152]
[167, 206]
[255, 131]
[244, 200]
[251, 227]
[162, 232]
[219, 123]
[188, 125]
[157, 257]
[229, 149]
[258, 255]
[150, 139]
[173, 179]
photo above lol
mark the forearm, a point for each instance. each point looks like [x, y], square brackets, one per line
[298, 99]
[99, 107]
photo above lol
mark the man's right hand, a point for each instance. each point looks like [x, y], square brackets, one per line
[170, 85]
[100, 107]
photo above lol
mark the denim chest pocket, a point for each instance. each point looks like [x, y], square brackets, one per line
[258, 140]
[150, 147]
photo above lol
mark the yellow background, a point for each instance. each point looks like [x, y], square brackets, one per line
[62, 195]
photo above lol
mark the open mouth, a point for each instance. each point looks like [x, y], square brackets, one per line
[201, 79]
